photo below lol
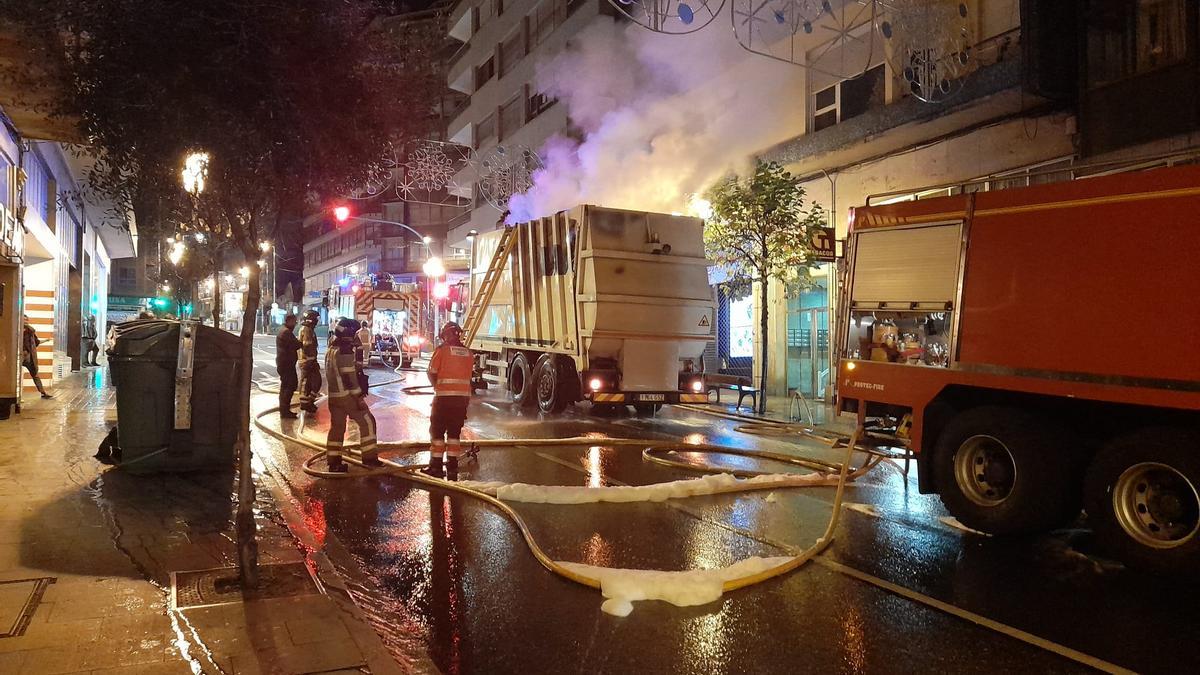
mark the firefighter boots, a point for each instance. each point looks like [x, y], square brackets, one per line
[452, 468]
[371, 459]
[336, 465]
[435, 467]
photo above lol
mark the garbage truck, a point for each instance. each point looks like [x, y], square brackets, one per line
[1037, 348]
[592, 304]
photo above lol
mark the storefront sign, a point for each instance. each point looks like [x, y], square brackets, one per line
[824, 243]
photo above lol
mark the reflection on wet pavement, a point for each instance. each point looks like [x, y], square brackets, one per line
[447, 575]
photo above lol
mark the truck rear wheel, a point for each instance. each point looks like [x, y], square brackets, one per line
[1142, 495]
[1004, 471]
[521, 382]
[555, 378]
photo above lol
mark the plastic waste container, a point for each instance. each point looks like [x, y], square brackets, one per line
[173, 413]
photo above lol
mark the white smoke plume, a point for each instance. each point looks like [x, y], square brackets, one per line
[662, 117]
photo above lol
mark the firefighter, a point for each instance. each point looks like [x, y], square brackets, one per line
[287, 351]
[310, 370]
[347, 399]
[450, 374]
[363, 352]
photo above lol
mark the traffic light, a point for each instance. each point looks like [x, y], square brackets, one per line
[341, 213]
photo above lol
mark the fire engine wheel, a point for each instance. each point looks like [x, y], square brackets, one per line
[1142, 496]
[521, 382]
[1004, 471]
[554, 377]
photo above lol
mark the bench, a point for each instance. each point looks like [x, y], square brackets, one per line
[742, 385]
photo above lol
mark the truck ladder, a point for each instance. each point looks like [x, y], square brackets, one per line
[487, 286]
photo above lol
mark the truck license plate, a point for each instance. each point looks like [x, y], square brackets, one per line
[651, 397]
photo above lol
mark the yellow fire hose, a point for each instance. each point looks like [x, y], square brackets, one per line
[653, 454]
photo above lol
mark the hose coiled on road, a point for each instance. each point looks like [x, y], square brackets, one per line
[655, 453]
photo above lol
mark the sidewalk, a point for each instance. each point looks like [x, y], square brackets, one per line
[788, 410]
[89, 556]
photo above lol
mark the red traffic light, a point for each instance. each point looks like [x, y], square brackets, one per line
[341, 213]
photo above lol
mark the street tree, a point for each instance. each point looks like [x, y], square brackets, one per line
[758, 232]
[290, 103]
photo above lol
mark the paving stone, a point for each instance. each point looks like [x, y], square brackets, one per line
[304, 631]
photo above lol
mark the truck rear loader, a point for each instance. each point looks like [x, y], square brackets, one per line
[593, 303]
[1044, 345]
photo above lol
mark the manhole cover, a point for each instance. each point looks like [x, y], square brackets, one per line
[19, 599]
[219, 586]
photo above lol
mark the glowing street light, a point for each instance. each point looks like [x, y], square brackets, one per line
[262, 264]
[176, 254]
[427, 239]
[341, 213]
[245, 272]
[199, 237]
[434, 267]
[195, 171]
[264, 246]
[441, 290]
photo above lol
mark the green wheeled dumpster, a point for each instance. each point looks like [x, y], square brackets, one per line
[177, 402]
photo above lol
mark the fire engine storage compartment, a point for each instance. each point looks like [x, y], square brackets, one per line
[144, 357]
[902, 301]
[610, 288]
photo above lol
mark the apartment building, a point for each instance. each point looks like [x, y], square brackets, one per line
[502, 43]
[1049, 87]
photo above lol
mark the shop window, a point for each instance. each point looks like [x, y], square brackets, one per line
[510, 117]
[485, 130]
[484, 72]
[848, 99]
[537, 104]
[1127, 38]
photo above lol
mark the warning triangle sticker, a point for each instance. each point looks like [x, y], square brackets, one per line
[703, 321]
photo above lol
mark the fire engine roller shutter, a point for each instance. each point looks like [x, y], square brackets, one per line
[906, 265]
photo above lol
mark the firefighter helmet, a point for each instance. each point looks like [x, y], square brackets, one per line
[310, 318]
[345, 329]
[451, 332]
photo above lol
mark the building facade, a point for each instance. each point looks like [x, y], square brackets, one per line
[1046, 97]
[57, 254]
[502, 43]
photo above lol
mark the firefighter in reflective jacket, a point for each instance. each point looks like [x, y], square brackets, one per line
[347, 399]
[310, 369]
[450, 374]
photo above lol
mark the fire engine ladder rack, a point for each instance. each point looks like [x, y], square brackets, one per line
[487, 286]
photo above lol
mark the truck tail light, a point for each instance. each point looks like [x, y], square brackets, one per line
[697, 385]
[596, 384]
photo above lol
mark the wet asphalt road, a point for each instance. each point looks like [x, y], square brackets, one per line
[898, 591]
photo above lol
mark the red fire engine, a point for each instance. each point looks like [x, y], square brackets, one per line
[1039, 351]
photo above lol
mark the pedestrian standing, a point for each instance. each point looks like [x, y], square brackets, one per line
[450, 374]
[310, 369]
[90, 350]
[287, 352]
[347, 399]
[29, 345]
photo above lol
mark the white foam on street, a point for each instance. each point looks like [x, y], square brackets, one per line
[623, 587]
[657, 492]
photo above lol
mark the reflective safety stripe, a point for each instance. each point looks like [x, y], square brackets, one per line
[338, 394]
[333, 444]
[452, 381]
[346, 370]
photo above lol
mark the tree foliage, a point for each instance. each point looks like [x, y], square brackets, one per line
[758, 231]
[759, 228]
[293, 101]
